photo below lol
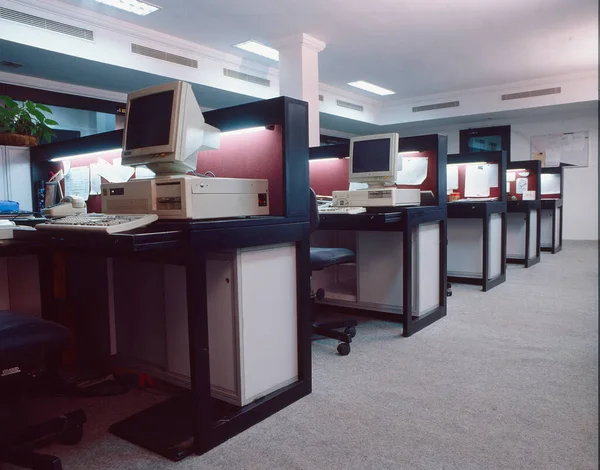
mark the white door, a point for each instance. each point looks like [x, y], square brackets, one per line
[19, 177]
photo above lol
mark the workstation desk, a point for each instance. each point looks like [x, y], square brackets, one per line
[400, 252]
[220, 308]
[192, 421]
[477, 229]
[552, 184]
[523, 219]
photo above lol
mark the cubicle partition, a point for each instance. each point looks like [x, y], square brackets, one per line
[400, 269]
[477, 218]
[219, 307]
[523, 184]
[552, 187]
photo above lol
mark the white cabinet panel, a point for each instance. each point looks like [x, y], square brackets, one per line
[495, 246]
[515, 235]
[15, 176]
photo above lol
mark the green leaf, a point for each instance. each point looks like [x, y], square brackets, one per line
[40, 117]
[30, 106]
[50, 122]
[43, 108]
[9, 102]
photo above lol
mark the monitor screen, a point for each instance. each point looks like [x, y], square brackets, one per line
[371, 155]
[149, 120]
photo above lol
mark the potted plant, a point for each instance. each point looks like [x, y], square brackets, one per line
[24, 125]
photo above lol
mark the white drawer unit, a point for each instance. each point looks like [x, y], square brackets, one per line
[15, 176]
[252, 321]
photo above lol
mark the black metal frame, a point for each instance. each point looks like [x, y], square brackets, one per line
[553, 205]
[405, 220]
[502, 131]
[526, 207]
[194, 421]
[483, 210]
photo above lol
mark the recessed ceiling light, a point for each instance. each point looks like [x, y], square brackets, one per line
[371, 88]
[260, 49]
[132, 6]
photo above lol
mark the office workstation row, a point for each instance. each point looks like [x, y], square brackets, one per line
[219, 306]
[208, 282]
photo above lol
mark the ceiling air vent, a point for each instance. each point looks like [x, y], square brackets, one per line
[12, 65]
[320, 97]
[162, 55]
[247, 78]
[531, 94]
[431, 107]
[345, 104]
[43, 23]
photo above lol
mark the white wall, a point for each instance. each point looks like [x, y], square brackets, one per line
[580, 185]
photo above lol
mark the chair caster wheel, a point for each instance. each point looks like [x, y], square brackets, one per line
[72, 435]
[448, 293]
[320, 294]
[343, 349]
[350, 331]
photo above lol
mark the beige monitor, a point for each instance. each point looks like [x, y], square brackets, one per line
[164, 129]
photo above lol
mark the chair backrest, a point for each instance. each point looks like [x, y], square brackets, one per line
[314, 211]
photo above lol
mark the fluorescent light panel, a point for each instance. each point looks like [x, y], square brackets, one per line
[260, 49]
[101, 153]
[132, 6]
[366, 86]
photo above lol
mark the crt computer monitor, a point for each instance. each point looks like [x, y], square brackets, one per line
[164, 129]
[374, 159]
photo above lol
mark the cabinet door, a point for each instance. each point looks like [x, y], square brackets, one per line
[19, 176]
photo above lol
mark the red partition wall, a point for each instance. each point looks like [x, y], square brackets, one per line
[531, 183]
[249, 155]
[328, 175]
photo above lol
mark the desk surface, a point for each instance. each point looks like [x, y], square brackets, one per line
[161, 235]
[381, 220]
[475, 209]
[523, 206]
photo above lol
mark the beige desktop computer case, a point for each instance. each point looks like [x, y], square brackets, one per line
[252, 321]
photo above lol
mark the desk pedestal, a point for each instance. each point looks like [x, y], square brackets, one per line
[551, 225]
[523, 232]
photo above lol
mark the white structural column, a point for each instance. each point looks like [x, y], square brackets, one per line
[299, 76]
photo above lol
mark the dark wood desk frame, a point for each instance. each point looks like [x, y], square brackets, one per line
[483, 210]
[194, 422]
[404, 220]
[526, 207]
[553, 205]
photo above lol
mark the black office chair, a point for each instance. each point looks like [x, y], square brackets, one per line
[321, 258]
[29, 350]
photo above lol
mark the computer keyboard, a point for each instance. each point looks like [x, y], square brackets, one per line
[341, 210]
[99, 223]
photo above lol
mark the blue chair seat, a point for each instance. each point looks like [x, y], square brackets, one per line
[321, 258]
[22, 332]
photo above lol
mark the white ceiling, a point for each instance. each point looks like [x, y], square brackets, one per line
[415, 47]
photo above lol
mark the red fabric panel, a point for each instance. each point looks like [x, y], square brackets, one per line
[328, 175]
[531, 184]
[462, 172]
[252, 155]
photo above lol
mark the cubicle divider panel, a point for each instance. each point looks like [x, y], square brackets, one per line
[329, 175]
[261, 149]
[495, 191]
[523, 176]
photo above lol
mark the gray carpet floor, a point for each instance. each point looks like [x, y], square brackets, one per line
[508, 380]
